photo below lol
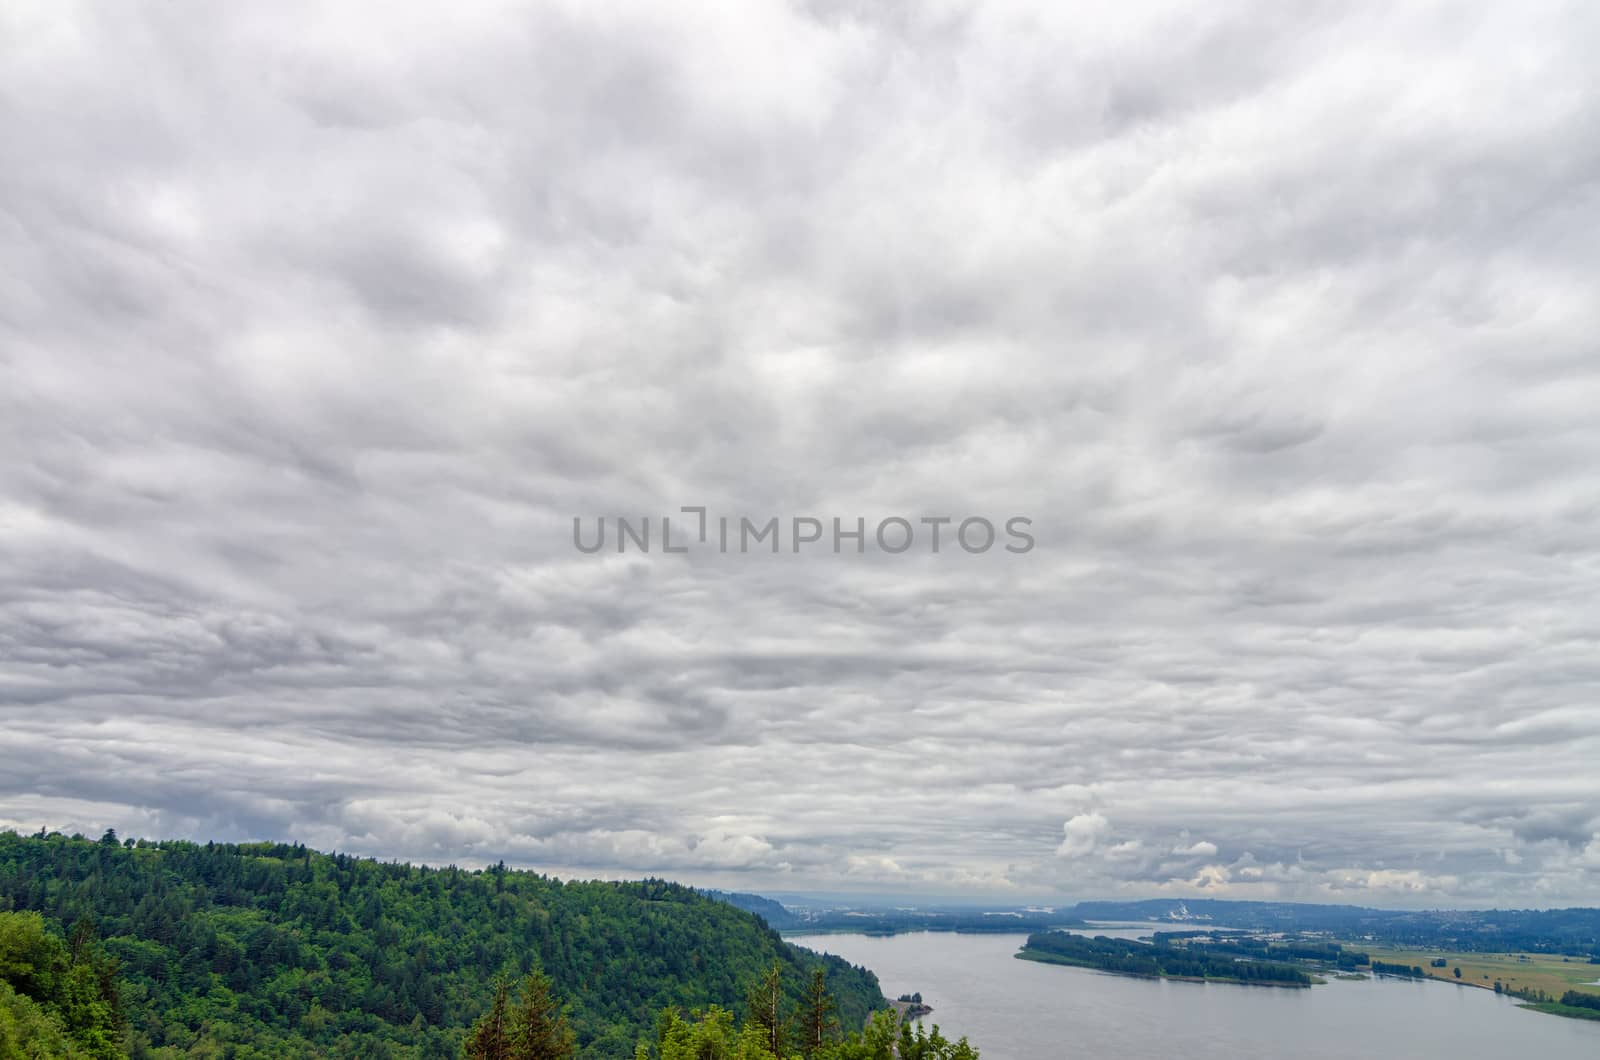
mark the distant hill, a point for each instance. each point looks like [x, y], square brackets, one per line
[876, 920]
[1260, 916]
[1570, 931]
[270, 949]
[774, 913]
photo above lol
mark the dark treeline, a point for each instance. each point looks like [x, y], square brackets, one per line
[275, 950]
[1153, 960]
[1405, 971]
[1314, 951]
[1577, 1000]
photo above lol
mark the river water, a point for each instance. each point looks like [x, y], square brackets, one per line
[1023, 1010]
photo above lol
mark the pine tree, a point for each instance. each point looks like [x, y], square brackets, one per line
[490, 1038]
[764, 1008]
[539, 1030]
[817, 1022]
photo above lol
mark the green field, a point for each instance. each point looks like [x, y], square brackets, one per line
[1517, 971]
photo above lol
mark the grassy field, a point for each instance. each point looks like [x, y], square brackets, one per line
[1518, 971]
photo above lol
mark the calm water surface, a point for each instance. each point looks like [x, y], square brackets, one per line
[1021, 1010]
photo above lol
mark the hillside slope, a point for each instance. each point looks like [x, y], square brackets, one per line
[293, 952]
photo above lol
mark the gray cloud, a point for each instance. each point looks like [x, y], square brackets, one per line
[317, 332]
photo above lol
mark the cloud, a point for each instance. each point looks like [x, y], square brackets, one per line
[1390, 881]
[1083, 834]
[1276, 321]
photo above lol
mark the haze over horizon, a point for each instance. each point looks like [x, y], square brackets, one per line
[1278, 322]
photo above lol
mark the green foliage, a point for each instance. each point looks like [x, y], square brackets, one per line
[884, 1035]
[491, 1035]
[72, 989]
[764, 1010]
[28, 1030]
[1575, 999]
[713, 1035]
[1228, 943]
[817, 1023]
[539, 1029]
[919, 1044]
[1404, 971]
[535, 1029]
[270, 950]
[708, 1035]
[1156, 960]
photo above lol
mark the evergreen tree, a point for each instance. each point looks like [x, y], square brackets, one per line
[269, 949]
[539, 1029]
[491, 1036]
[764, 1009]
[816, 1015]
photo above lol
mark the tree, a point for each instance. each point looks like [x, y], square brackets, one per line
[75, 988]
[816, 1015]
[711, 1036]
[752, 1044]
[877, 1042]
[922, 1044]
[338, 955]
[491, 1036]
[539, 1029]
[764, 1009]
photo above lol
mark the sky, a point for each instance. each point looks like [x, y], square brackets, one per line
[321, 324]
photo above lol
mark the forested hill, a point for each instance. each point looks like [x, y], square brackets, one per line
[774, 913]
[286, 951]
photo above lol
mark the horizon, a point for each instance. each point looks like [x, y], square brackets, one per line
[865, 899]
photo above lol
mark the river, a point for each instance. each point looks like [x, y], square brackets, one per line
[1022, 1010]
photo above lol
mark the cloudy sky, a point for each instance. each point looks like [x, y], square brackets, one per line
[318, 329]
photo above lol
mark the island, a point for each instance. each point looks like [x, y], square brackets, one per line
[1158, 960]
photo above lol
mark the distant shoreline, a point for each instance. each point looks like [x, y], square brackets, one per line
[890, 932]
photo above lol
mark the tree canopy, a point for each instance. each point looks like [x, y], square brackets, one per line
[272, 949]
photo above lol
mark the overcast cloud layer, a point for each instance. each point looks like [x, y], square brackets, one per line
[317, 329]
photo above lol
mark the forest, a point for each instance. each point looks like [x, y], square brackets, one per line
[1320, 952]
[533, 1027]
[1156, 960]
[273, 950]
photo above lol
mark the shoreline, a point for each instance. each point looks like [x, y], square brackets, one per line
[1039, 957]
